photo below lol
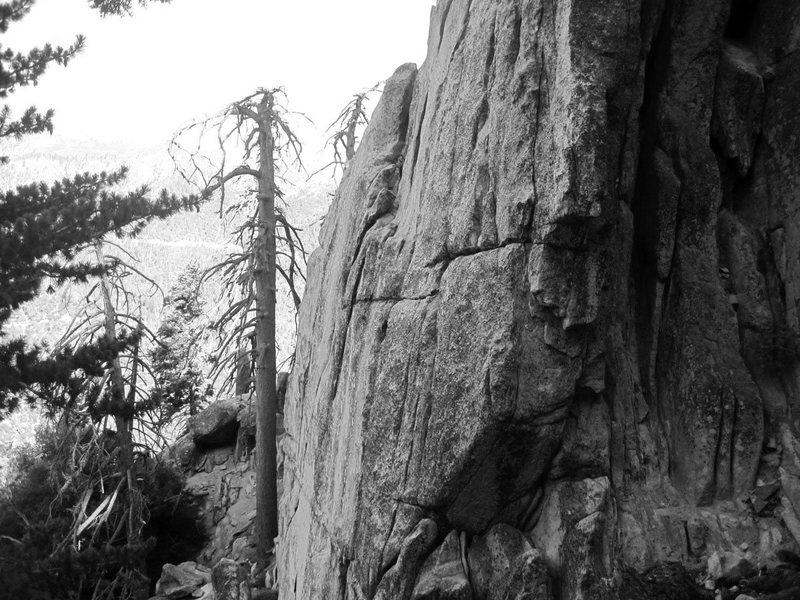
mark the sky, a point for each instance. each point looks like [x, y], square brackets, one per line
[140, 78]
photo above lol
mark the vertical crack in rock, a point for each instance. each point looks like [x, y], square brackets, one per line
[417, 141]
[464, 27]
[443, 20]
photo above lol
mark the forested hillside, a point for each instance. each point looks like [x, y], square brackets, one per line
[164, 247]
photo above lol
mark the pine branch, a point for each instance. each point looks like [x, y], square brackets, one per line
[13, 11]
[21, 70]
[31, 122]
[119, 7]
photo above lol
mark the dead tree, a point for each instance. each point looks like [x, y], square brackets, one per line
[118, 391]
[255, 128]
[345, 129]
[121, 405]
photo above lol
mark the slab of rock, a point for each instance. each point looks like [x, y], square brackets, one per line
[398, 582]
[281, 385]
[205, 593]
[739, 104]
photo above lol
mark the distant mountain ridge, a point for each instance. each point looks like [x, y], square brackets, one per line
[164, 247]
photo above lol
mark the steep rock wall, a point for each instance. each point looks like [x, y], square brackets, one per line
[552, 327]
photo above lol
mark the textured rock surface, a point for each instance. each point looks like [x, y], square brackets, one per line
[443, 576]
[216, 426]
[503, 564]
[220, 475]
[229, 580]
[558, 289]
[183, 580]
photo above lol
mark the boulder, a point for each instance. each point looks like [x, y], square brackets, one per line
[183, 580]
[220, 481]
[442, 576]
[216, 425]
[504, 565]
[182, 451]
[398, 582]
[230, 581]
[728, 568]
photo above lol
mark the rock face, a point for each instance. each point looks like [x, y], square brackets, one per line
[555, 312]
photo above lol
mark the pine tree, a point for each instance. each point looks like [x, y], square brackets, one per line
[124, 408]
[44, 227]
[174, 359]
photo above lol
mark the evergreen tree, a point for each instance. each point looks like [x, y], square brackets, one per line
[44, 227]
[122, 409]
[174, 359]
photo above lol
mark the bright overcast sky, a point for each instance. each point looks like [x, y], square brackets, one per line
[141, 77]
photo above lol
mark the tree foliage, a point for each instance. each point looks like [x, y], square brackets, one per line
[63, 519]
[175, 358]
[44, 227]
[120, 7]
[21, 69]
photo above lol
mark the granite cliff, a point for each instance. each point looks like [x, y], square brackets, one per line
[552, 336]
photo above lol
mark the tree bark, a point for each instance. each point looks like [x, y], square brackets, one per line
[242, 372]
[265, 375]
[350, 148]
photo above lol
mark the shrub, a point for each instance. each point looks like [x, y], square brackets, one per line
[61, 531]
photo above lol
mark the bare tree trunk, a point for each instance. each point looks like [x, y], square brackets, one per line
[242, 372]
[350, 144]
[119, 407]
[265, 375]
[261, 264]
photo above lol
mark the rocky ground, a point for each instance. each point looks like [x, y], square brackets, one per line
[217, 458]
